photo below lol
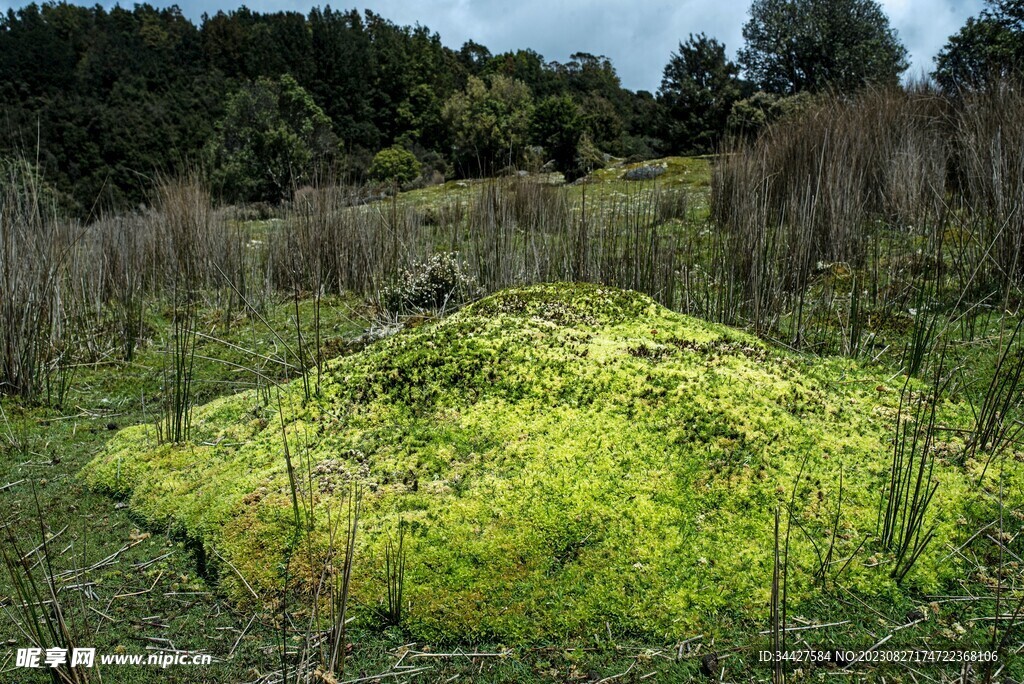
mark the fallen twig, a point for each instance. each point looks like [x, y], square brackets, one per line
[807, 627]
[230, 565]
[621, 674]
[386, 675]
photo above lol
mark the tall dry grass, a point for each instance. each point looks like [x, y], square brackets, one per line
[510, 232]
[73, 292]
[824, 230]
[69, 291]
[860, 209]
[35, 250]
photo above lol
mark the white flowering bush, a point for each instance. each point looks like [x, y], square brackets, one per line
[439, 282]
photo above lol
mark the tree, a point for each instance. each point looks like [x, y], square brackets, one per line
[396, 165]
[527, 66]
[989, 46]
[594, 83]
[751, 115]
[558, 127]
[698, 89]
[587, 74]
[489, 122]
[474, 57]
[797, 45]
[270, 140]
[107, 99]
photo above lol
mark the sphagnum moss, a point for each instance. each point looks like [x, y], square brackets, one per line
[566, 458]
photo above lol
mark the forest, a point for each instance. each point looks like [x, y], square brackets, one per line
[107, 101]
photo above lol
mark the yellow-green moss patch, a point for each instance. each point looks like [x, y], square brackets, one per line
[565, 457]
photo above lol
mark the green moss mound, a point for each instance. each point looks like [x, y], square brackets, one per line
[563, 457]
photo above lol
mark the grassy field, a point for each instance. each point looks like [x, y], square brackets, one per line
[569, 397]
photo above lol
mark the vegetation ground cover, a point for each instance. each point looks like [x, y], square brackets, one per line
[564, 457]
[957, 588]
[497, 428]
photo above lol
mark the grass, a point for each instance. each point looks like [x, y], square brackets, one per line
[833, 226]
[273, 301]
[655, 495]
[153, 586]
[912, 483]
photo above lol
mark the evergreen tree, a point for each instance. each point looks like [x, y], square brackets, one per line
[698, 89]
[988, 47]
[797, 45]
[271, 140]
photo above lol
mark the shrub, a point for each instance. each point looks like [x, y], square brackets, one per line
[750, 116]
[436, 283]
[588, 157]
[395, 164]
[273, 138]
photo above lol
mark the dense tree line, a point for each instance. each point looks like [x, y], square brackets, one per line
[104, 100]
[108, 98]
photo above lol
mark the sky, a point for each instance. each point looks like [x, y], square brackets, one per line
[638, 35]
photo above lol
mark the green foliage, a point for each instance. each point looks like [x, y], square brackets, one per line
[592, 80]
[104, 99]
[395, 164]
[698, 90]
[750, 115]
[557, 126]
[644, 121]
[526, 66]
[563, 129]
[588, 156]
[271, 139]
[26, 194]
[590, 75]
[113, 98]
[987, 48]
[474, 57]
[603, 121]
[489, 123]
[565, 458]
[816, 45]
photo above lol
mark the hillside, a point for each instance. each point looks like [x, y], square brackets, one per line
[565, 459]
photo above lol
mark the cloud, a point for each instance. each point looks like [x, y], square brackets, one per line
[924, 26]
[639, 37]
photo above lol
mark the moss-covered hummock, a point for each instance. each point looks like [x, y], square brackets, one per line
[564, 456]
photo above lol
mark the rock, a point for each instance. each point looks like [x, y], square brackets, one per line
[709, 666]
[642, 173]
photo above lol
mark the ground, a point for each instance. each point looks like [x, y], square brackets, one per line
[662, 445]
[566, 460]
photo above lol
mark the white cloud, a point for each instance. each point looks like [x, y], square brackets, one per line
[640, 36]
